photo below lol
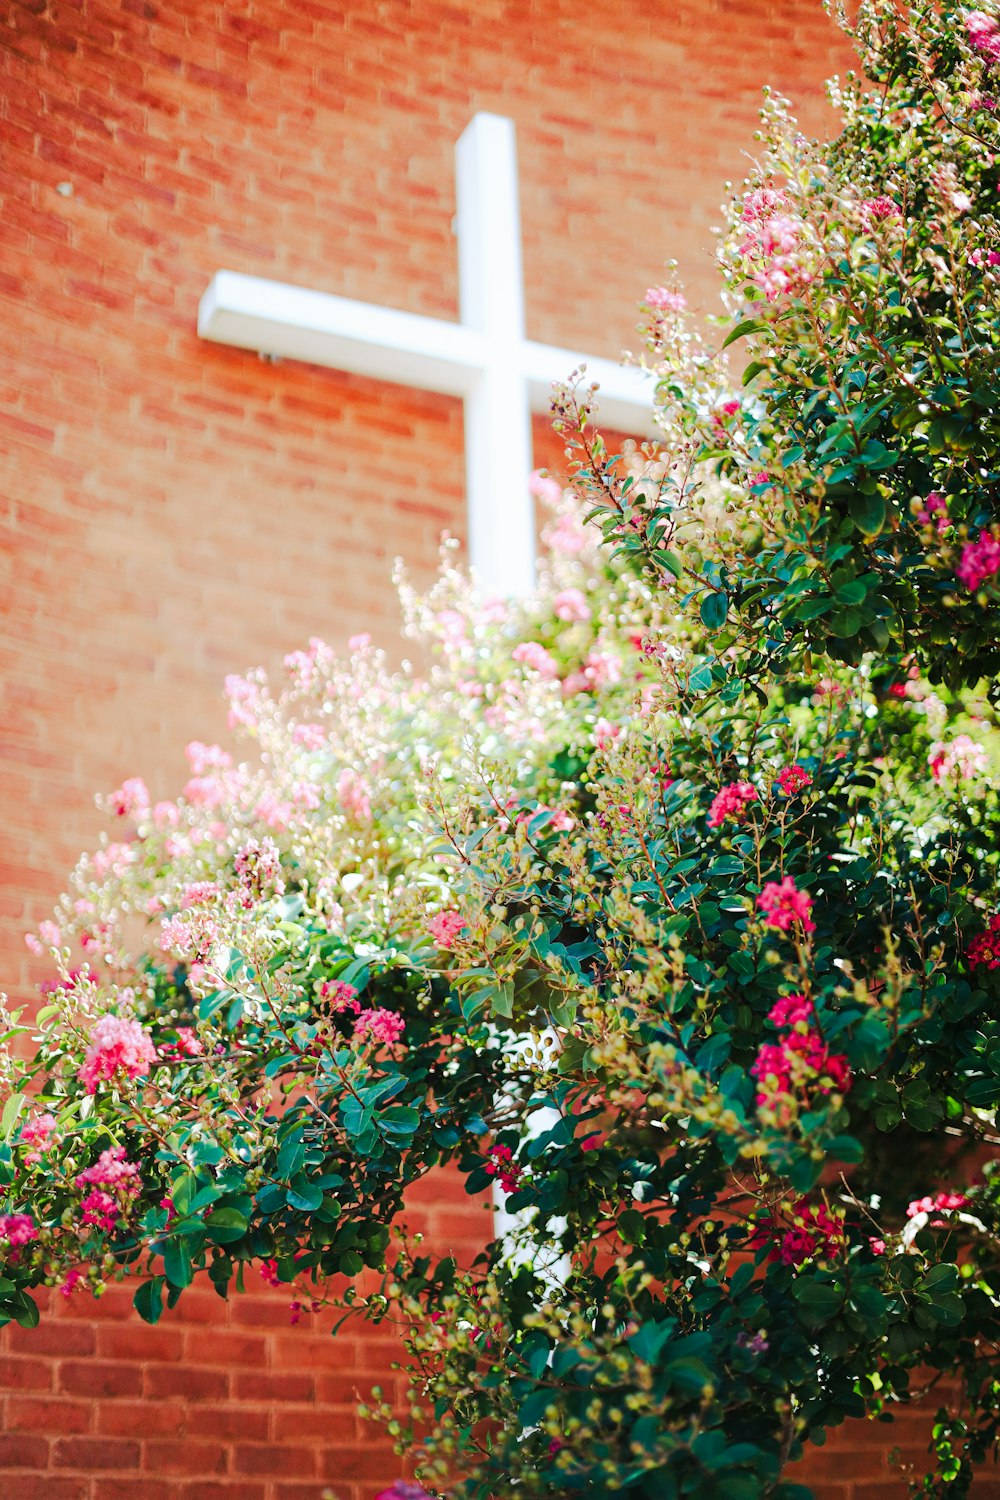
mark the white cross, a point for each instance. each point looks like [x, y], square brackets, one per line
[485, 359]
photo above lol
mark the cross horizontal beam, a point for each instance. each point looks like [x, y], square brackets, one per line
[430, 354]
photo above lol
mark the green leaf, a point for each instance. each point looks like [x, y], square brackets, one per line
[177, 1262]
[713, 611]
[24, 1309]
[148, 1300]
[748, 325]
[867, 512]
[225, 1225]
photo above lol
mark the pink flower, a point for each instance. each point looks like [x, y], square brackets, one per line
[800, 1061]
[783, 905]
[500, 1164]
[761, 477]
[984, 35]
[188, 1044]
[118, 1046]
[206, 758]
[936, 504]
[16, 1231]
[939, 1203]
[445, 927]
[191, 935]
[961, 758]
[379, 1025]
[980, 560]
[878, 210]
[269, 1272]
[72, 1280]
[730, 801]
[99, 1209]
[793, 779]
[814, 1233]
[403, 1490]
[984, 949]
[339, 996]
[354, 795]
[877, 1246]
[36, 1136]
[664, 300]
[791, 1010]
[359, 642]
[570, 605]
[762, 203]
[131, 800]
[543, 487]
[534, 656]
[258, 870]
[602, 669]
[605, 733]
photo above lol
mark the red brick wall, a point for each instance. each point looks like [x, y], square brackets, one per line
[174, 510]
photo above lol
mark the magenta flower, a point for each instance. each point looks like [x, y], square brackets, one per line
[784, 905]
[445, 927]
[980, 560]
[731, 801]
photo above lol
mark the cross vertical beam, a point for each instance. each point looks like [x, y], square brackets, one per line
[497, 408]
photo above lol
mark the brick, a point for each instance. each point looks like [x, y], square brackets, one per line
[91, 1453]
[100, 1378]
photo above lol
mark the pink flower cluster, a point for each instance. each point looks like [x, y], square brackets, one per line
[878, 210]
[339, 996]
[980, 257]
[445, 927]
[934, 512]
[570, 605]
[961, 758]
[784, 905]
[187, 1044]
[36, 1137]
[936, 1204]
[500, 1164]
[664, 300]
[534, 656]
[379, 1025]
[984, 950]
[258, 870]
[117, 1047]
[730, 801]
[49, 936]
[354, 795]
[801, 1057]
[543, 487]
[774, 245]
[114, 1185]
[980, 560]
[131, 800]
[16, 1231]
[984, 34]
[793, 779]
[815, 1232]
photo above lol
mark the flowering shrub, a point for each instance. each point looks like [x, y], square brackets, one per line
[665, 903]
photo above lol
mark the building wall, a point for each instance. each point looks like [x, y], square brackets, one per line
[173, 511]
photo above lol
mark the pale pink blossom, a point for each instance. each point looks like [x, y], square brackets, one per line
[379, 1025]
[36, 1137]
[166, 815]
[534, 656]
[570, 605]
[961, 758]
[118, 1046]
[445, 927]
[131, 800]
[664, 300]
[204, 759]
[543, 487]
[354, 795]
[604, 733]
[258, 870]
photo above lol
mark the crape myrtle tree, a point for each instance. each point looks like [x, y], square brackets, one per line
[697, 849]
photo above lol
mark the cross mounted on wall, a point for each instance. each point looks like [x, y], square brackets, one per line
[500, 375]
